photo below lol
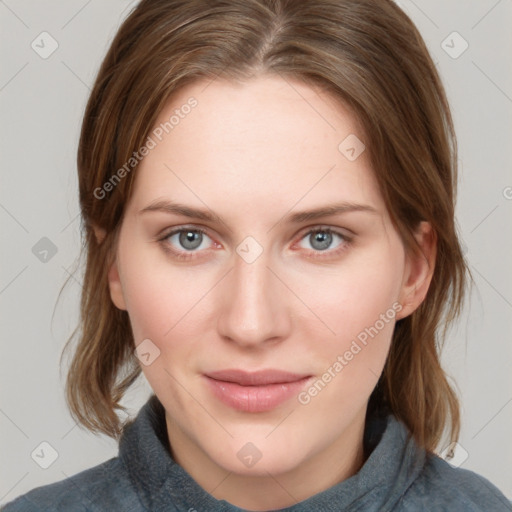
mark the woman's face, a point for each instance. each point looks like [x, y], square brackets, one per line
[262, 276]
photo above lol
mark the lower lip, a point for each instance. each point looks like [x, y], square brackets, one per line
[255, 398]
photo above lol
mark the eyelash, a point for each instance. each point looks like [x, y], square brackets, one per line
[188, 255]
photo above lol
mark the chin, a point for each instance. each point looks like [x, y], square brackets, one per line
[258, 455]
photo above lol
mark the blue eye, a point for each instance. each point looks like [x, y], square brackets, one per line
[322, 239]
[187, 239]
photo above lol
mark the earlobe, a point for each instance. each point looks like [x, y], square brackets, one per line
[418, 271]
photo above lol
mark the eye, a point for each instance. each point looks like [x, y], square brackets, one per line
[324, 239]
[187, 239]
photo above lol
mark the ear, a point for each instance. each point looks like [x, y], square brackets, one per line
[99, 233]
[418, 270]
[114, 281]
[116, 287]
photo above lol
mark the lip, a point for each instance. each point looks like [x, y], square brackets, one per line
[253, 392]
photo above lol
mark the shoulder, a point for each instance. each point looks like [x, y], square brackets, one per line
[441, 486]
[103, 487]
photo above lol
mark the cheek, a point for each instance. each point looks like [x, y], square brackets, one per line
[359, 305]
[165, 306]
[162, 304]
[161, 299]
[354, 297]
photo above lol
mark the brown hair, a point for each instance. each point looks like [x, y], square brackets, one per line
[368, 54]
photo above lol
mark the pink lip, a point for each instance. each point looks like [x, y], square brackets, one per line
[257, 391]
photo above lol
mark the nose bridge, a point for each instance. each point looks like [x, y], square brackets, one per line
[253, 308]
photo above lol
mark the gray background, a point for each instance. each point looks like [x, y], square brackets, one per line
[41, 104]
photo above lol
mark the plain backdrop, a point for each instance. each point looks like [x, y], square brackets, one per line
[41, 104]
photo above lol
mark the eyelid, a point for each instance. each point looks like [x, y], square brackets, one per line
[167, 232]
[196, 229]
[344, 232]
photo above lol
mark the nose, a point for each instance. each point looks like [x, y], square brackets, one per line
[254, 307]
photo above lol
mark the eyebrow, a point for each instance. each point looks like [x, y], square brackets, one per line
[165, 206]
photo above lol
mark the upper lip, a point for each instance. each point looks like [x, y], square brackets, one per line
[258, 378]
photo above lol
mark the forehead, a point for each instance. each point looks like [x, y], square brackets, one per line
[266, 141]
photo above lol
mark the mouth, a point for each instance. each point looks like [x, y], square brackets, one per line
[255, 391]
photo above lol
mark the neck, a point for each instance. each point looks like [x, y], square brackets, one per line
[273, 490]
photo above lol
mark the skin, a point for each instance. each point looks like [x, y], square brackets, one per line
[253, 154]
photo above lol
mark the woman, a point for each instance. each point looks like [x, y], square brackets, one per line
[267, 189]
